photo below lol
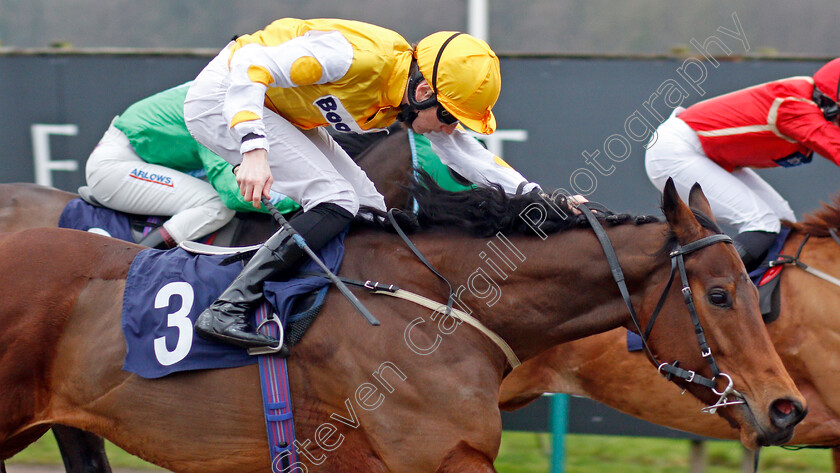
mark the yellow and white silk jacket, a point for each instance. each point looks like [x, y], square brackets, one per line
[346, 74]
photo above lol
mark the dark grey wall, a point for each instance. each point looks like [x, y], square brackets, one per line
[585, 416]
[85, 90]
[571, 106]
[568, 106]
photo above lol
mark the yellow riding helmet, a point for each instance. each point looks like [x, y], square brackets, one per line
[464, 74]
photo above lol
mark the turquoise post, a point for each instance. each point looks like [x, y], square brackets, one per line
[559, 423]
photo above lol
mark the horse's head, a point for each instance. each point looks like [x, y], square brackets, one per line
[715, 331]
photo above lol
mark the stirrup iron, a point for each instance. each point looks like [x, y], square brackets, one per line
[269, 350]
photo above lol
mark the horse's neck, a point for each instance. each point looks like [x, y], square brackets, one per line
[536, 294]
[388, 164]
[566, 290]
[813, 314]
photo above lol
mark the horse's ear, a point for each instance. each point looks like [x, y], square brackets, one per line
[697, 201]
[679, 216]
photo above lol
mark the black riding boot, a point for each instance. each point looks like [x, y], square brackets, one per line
[226, 319]
[752, 247]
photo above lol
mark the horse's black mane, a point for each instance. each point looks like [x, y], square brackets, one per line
[485, 211]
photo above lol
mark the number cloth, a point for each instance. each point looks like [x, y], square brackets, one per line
[165, 291]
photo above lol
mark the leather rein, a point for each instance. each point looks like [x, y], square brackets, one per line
[669, 370]
[794, 260]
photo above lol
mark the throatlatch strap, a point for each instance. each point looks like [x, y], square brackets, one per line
[662, 299]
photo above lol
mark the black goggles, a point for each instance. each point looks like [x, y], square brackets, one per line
[445, 117]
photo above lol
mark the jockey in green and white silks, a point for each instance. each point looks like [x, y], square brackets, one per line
[147, 163]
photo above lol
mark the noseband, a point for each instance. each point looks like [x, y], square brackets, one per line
[672, 370]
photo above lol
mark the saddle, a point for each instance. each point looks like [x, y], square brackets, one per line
[305, 308]
[246, 228]
[766, 278]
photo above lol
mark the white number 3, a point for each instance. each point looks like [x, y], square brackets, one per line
[177, 319]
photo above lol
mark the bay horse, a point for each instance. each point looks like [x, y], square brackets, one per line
[805, 336]
[61, 346]
[601, 368]
[386, 160]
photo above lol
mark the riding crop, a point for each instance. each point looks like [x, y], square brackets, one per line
[299, 241]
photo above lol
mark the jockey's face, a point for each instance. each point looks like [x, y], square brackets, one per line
[427, 119]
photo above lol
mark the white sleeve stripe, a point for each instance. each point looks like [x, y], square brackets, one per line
[467, 157]
[331, 49]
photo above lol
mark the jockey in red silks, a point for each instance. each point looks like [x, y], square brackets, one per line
[715, 142]
[262, 105]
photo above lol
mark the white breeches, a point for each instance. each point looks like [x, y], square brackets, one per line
[118, 178]
[307, 165]
[740, 199]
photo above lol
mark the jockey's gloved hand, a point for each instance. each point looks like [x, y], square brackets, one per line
[406, 220]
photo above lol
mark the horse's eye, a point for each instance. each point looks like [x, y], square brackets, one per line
[720, 298]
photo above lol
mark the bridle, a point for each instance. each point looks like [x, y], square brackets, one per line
[672, 370]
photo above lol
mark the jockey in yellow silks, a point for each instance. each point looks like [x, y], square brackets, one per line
[262, 103]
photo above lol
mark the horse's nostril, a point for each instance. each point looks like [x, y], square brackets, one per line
[786, 413]
[784, 406]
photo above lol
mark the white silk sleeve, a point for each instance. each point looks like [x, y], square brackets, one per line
[318, 57]
[465, 155]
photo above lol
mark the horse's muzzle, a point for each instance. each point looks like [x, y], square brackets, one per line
[784, 414]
